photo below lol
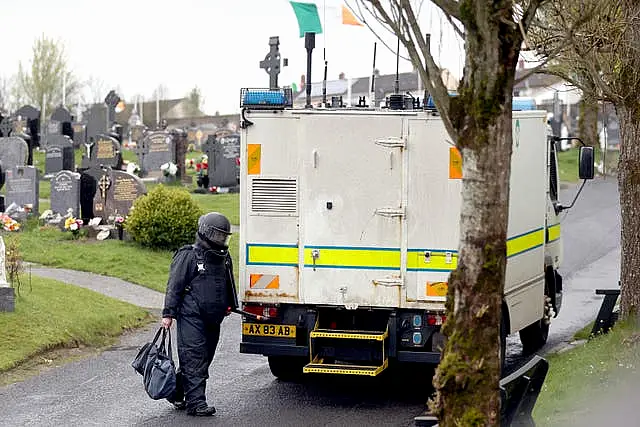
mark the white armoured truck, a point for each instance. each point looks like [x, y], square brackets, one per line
[350, 229]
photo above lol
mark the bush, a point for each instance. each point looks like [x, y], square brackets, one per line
[164, 218]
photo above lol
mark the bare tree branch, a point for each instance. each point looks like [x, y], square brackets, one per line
[450, 7]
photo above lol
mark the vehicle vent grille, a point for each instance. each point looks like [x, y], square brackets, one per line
[274, 196]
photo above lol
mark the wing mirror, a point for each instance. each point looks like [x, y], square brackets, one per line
[585, 168]
[585, 163]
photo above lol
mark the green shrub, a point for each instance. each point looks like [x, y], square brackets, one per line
[164, 218]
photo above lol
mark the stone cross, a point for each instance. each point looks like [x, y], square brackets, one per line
[104, 185]
[271, 62]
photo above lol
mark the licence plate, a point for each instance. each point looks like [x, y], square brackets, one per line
[264, 330]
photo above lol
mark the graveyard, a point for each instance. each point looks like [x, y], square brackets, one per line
[67, 188]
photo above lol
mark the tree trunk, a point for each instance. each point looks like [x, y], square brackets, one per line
[467, 378]
[629, 188]
[588, 122]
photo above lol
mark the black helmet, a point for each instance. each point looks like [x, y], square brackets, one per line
[215, 229]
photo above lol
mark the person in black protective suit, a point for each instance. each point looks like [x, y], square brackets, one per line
[200, 293]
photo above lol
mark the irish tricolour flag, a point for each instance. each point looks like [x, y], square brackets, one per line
[312, 16]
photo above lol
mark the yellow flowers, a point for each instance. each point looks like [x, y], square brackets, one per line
[8, 223]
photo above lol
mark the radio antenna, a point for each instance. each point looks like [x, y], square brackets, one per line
[397, 86]
[309, 44]
[324, 81]
[373, 77]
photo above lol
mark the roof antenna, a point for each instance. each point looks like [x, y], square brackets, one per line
[309, 44]
[324, 81]
[373, 77]
[397, 86]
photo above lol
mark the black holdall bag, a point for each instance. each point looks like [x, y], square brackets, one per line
[140, 361]
[160, 372]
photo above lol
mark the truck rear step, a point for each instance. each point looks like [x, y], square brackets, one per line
[348, 352]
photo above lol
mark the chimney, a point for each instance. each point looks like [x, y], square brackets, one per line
[376, 72]
[303, 82]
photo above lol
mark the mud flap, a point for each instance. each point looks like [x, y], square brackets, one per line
[518, 393]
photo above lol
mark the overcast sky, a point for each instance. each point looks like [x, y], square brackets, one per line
[214, 44]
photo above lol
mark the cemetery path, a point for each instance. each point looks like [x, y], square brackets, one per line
[110, 286]
[103, 389]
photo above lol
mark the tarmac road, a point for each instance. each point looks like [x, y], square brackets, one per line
[104, 390]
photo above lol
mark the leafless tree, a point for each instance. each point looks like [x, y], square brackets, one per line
[602, 57]
[42, 83]
[479, 122]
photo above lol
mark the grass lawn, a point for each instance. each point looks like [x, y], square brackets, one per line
[568, 163]
[581, 377]
[125, 260]
[54, 314]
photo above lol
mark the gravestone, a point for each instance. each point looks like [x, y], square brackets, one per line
[2, 205]
[96, 122]
[59, 155]
[180, 144]
[106, 152]
[60, 123]
[23, 187]
[7, 293]
[117, 190]
[88, 188]
[137, 133]
[32, 117]
[224, 154]
[155, 149]
[14, 151]
[65, 192]
[79, 135]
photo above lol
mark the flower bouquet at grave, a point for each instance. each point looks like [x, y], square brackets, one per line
[73, 224]
[189, 163]
[133, 168]
[169, 169]
[8, 223]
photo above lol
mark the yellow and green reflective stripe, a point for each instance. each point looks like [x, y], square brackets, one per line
[438, 260]
[378, 258]
[268, 254]
[525, 242]
[553, 233]
[353, 257]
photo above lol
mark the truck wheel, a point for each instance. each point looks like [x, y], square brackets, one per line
[287, 368]
[535, 335]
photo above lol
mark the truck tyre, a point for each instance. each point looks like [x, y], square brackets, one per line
[535, 335]
[287, 368]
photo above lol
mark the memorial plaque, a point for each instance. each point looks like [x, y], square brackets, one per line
[23, 187]
[155, 150]
[106, 151]
[79, 135]
[223, 151]
[65, 193]
[116, 192]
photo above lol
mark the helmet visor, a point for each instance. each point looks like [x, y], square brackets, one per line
[216, 236]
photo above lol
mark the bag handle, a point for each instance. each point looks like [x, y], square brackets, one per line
[165, 332]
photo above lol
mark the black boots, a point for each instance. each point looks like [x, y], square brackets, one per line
[204, 411]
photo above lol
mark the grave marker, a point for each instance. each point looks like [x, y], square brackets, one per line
[59, 155]
[116, 192]
[23, 187]
[65, 193]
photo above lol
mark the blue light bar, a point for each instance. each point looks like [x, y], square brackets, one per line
[266, 98]
[518, 103]
[523, 104]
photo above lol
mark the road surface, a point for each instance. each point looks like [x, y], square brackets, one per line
[104, 389]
